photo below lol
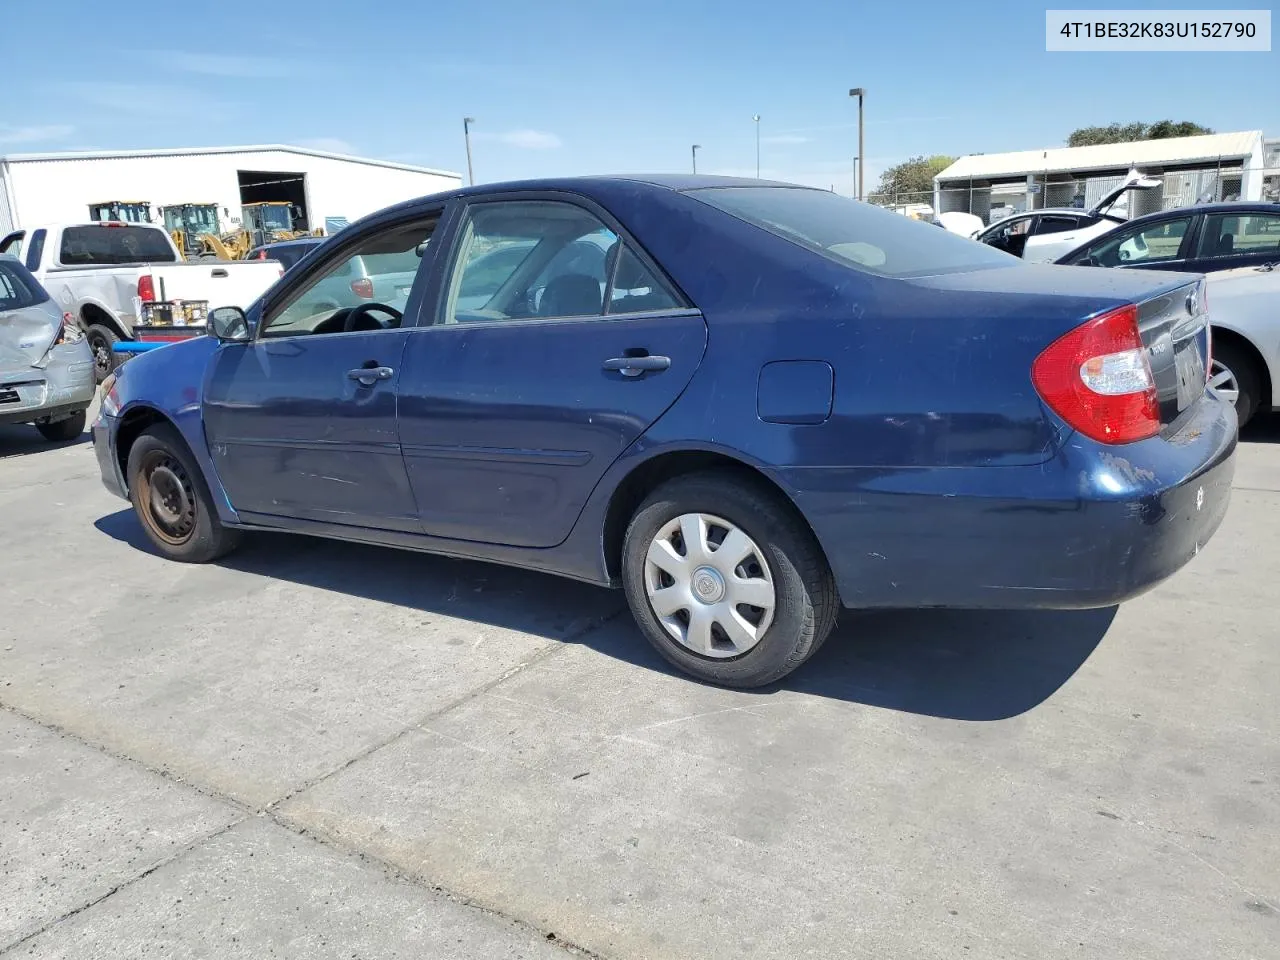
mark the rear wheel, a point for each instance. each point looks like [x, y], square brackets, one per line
[172, 501]
[1234, 374]
[726, 581]
[101, 341]
[60, 431]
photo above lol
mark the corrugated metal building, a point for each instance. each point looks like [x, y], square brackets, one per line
[325, 187]
[1217, 166]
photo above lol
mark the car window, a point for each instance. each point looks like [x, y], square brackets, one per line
[1049, 223]
[861, 235]
[634, 288]
[12, 244]
[377, 273]
[1150, 243]
[35, 250]
[1240, 234]
[531, 259]
[114, 243]
[18, 288]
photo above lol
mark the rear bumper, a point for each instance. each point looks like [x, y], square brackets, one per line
[1093, 527]
[104, 448]
[64, 386]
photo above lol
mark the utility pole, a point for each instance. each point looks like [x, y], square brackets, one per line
[756, 118]
[466, 135]
[696, 147]
[859, 92]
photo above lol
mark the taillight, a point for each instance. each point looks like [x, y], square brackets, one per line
[110, 398]
[1098, 379]
[70, 332]
[146, 288]
[362, 288]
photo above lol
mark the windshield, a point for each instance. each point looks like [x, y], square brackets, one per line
[18, 288]
[858, 234]
[274, 218]
[201, 219]
[104, 244]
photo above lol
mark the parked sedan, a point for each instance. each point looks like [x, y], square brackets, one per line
[1198, 239]
[783, 402]
[46, 366]
[1245, 306]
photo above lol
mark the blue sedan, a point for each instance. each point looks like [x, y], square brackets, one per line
[748, 404]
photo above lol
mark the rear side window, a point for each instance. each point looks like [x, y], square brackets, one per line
[18, 288]
[1238, 234]
[90, 245]
[1054, 224]
[36, 250]
[861, 235]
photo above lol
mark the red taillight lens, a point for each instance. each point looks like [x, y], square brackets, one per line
[362, 288]
[1098, 379]
[146, 288]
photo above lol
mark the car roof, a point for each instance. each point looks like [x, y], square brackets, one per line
[1228, 206]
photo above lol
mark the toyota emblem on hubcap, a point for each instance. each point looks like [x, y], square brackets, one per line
[708, 585]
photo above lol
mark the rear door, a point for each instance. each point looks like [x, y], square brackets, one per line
[1053, 235]
[1228, 240]
[539, 366]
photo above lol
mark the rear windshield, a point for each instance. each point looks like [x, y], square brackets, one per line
[858, 234]
[18, 288]
[91, 245]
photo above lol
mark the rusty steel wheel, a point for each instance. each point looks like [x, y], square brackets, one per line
[167, 497]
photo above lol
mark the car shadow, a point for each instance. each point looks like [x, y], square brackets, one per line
[18, 440]
[964, 665]
[1262, 428]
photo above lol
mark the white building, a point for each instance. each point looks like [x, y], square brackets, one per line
[326, 188]
[1218, 166]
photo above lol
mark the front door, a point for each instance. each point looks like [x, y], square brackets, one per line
[302, 419]
[553, 346]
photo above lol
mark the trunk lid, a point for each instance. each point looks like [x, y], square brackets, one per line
[1174, 327]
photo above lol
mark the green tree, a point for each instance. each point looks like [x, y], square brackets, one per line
[1128, 132]
[914, 175]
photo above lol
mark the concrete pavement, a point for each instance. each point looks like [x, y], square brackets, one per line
[315, 750]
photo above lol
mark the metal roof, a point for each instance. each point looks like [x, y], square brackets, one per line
[1106, 156]
[198, 151]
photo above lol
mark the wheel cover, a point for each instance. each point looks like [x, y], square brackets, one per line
[709, 585]
[167, 498]
[1224, 381]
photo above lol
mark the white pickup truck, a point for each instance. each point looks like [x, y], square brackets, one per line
[127, 281]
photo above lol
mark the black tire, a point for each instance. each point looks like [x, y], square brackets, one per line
[60, 431]
[172, 501]
[1247, 376]
[101, 341]
[806, 599]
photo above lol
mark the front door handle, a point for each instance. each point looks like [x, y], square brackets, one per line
[368, 376]
[634, 366]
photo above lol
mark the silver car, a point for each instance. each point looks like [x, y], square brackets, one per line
[46, 366]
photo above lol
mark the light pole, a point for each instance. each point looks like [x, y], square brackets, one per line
[756, 118]
[694, 151]
[856, 161]
[859, 92]
[466, 135]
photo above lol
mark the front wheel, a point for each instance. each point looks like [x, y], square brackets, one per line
[726, 581]
[172, 501]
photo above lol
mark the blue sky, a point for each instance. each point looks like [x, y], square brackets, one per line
[594, 86]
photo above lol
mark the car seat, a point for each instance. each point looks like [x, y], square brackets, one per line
[571, 295]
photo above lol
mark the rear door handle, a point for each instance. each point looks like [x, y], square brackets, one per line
[634, 366]
[368, 376]
[217, 272]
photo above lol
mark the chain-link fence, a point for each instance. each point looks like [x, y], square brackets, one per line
[994, 201]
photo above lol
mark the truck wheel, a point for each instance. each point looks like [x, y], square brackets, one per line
[101, 340]
[172, 501]
[727, 581]
[60, 431]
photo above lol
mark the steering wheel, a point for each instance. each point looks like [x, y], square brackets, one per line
[359, 313]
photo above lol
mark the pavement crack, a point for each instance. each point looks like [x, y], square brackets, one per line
[6, 949]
